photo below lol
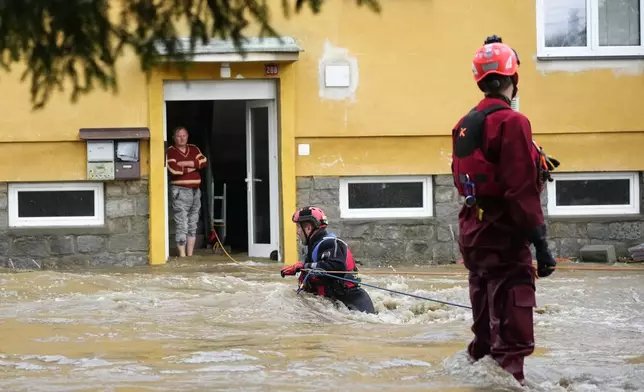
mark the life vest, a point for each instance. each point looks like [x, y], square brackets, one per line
[474, 174]
[329, 285]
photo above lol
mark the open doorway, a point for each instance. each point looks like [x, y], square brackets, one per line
[239, 185]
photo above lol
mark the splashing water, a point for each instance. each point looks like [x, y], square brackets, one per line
[226, 328]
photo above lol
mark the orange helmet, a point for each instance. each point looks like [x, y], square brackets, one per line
[494, 58]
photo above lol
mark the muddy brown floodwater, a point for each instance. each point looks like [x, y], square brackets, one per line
[204, 326]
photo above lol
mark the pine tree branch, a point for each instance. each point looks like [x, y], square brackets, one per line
[79, 42]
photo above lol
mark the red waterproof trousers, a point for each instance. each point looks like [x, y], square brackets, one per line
[502, 309]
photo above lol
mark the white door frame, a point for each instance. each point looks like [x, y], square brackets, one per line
[263, 250]
[165, 187]
[215, 90]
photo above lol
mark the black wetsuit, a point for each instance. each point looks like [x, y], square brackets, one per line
[333, 254]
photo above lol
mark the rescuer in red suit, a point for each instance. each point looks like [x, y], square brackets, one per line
[501, 172]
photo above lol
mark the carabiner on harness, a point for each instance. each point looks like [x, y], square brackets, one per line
[470, 191]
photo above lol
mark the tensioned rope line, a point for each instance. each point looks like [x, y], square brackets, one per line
[321, 272]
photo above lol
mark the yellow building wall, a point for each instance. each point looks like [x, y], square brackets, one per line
[415, 82]
[44, 145]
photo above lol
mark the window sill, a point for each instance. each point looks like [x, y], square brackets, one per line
[589, 57]
[594, 218]
[391, 221]
[55, 231]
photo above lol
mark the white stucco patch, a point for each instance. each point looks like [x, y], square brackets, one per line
[619, 67]
[333, 55]
[331, 161]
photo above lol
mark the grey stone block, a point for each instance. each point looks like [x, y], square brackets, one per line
[625, 231]
[135, 187]
[119, 207]
[304, 182]
[443, 253]
[598, 231]
[448, 211]
[3, 201]
[444, 180]
[444, 194]
[420, 232]
[444, 234]
[142, 206]
[325, 197]
[29, 246]
[139, 225]
[562, 230]
[356, 230]
[326, 183]
[62, 245]
[598, 254]
[119, 225]
[5, 245]
[119, 243]
[113, 189]
[303, 197]
[90, 243]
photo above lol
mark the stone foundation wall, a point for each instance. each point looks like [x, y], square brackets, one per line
[380, 242]
[123, 241]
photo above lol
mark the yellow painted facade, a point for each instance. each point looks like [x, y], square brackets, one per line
[414, 67]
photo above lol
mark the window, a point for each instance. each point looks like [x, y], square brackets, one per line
[594, 194]
[385, 197]
[589, 28]
[56, 204]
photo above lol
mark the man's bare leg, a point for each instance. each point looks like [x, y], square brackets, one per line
[182, 250]
[190, 246]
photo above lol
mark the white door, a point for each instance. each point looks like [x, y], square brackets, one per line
[261, 177]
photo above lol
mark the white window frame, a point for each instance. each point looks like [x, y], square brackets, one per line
[632, 208]
[98, 219]
[424, 212]
[592, 30]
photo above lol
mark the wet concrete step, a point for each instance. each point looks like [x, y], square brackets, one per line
[598, 254]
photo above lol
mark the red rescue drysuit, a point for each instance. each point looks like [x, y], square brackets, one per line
[496, 166]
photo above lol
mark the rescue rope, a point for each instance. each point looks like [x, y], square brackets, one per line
[321, 272]
[237, 262]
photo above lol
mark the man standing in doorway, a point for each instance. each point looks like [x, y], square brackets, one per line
[184, 161]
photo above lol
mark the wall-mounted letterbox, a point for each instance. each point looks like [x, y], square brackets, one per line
[128, 163]
[114, 153]
[100, 160]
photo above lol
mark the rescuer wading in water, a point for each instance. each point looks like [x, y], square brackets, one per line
[501, 172]
[326, 251]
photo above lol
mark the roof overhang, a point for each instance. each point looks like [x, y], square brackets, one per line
[256, 49]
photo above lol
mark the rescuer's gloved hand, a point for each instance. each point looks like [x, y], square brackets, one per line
[546, 263]
[551, 162]
[292, 269]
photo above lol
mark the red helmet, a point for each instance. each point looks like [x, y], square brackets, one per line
[313, 215]
[494, 58]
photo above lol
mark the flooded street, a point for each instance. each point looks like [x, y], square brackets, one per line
[201, 326]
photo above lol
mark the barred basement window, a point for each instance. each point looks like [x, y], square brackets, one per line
[594, 194]
[56, 204]
[386, 197]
